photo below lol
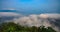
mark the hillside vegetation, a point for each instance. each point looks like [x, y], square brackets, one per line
[12, 27]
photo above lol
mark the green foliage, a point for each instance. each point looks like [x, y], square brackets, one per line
[12, 27]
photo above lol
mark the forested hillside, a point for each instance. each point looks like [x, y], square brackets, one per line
[12, 27]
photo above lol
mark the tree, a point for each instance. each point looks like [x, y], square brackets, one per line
[50, 29]
[12, 27]
[43, 29]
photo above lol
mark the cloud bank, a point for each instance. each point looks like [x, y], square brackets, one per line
[39, 20]
[51, 20]
[8, 16]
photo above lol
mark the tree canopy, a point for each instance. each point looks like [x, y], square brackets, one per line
[12, 27]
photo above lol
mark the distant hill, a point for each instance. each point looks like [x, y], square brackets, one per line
[7, 10]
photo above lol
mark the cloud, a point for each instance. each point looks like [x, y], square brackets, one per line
[9, 14]
[9, 9]
[39, 20]
[54, 15]
[51, 20]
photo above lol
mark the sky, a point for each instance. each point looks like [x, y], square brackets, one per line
[31, 6]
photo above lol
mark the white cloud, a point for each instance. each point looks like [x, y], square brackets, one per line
[34, 20]
[9, 14]
[50, 15]
[43, 15]
[38, 20]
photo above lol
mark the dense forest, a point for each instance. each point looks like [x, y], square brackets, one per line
[12, 27]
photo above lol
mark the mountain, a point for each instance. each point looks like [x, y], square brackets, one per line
[7, 10]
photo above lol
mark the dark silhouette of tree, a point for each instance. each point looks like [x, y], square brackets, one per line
[33, 29]
[50, 29]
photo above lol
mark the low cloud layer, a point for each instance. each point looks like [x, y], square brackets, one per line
[39, 20]
[8, 16]
[51, 20]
